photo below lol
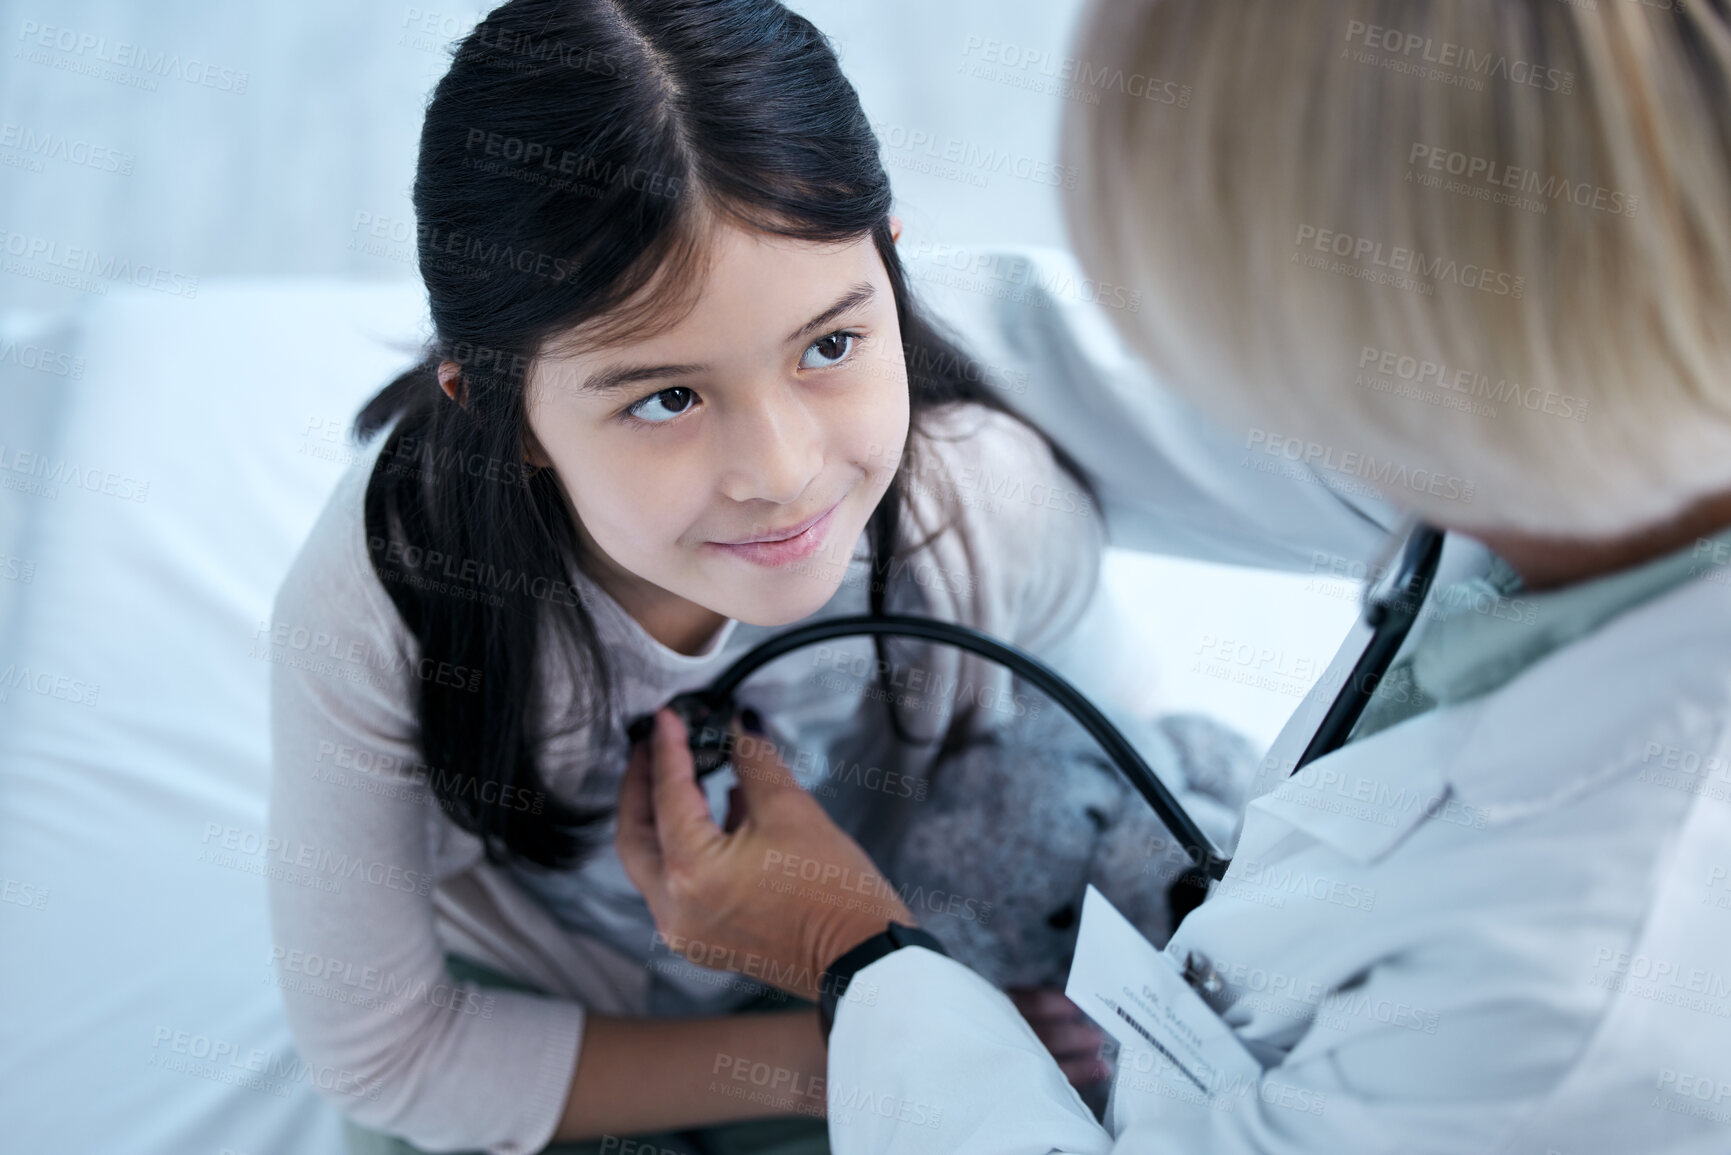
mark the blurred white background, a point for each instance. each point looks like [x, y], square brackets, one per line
[243, 154]
[269, 180]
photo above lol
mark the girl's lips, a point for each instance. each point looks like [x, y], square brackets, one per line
[785, 550]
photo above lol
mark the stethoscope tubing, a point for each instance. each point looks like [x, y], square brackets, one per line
[1391, 608]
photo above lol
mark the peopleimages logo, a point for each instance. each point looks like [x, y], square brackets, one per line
[46, 258]
[47, 684]
[1387, 476]
[42, 359]
[1447, 60]
[1424, 373]
[88, 50]
[1490, 173]
[42, 145]
[1397, 259]
[43, 476]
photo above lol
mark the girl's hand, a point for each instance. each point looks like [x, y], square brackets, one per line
[777, 896]
[1071, 1037]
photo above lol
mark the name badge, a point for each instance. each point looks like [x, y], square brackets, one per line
[1138, 995]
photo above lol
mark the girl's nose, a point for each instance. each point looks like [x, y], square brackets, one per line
[772, 453]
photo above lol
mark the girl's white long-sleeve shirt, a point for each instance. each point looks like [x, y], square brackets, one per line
[371, 885]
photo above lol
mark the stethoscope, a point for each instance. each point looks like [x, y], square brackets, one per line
[1391, 606]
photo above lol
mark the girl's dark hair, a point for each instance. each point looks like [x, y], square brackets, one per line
[577, 152]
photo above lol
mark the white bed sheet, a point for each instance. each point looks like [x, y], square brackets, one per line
[146, 954]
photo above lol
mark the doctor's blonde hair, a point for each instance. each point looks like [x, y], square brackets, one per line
[1476, 253]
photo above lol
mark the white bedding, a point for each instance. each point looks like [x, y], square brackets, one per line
[145, 953]
[134, 947]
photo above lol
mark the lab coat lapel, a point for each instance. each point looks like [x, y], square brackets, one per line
[1366, 797]
[1485, 762]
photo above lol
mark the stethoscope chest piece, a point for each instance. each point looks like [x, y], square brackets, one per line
[708, 717]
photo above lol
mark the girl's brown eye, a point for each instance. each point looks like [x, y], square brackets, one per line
[663, 406]
[830, 350]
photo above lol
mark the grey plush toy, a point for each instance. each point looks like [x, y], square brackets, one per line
[996, 860]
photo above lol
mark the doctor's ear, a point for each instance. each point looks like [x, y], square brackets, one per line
[895, 227]
[451, 380]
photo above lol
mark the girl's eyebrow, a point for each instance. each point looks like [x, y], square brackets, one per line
[613, 380]
[856, 296]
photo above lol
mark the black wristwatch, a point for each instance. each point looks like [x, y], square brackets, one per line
[841, 972]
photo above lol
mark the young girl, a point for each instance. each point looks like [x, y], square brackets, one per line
[677, 396]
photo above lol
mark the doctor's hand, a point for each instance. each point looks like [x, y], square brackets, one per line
[778, 896]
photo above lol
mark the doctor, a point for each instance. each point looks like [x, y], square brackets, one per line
[1475, 257]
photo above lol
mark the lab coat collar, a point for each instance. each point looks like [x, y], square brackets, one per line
[1366, 797]
[1583, 716]
[1485, 637]
[1598, 708]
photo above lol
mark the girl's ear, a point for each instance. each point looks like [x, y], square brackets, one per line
[895, 227]
[451, 379]
[532, 451]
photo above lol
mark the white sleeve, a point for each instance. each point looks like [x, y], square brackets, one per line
[926, 1056]
[929, 1058]
[1171, 480]
[375, 1015]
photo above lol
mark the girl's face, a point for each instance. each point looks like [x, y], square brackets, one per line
[726, 466]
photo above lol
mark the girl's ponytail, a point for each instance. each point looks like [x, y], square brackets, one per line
[408, 389]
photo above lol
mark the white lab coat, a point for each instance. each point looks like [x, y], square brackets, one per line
[1504, 925]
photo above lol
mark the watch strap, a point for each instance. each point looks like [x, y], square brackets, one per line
[840, 974]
